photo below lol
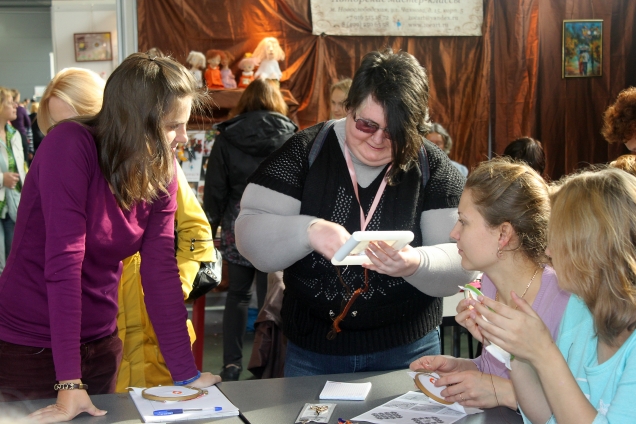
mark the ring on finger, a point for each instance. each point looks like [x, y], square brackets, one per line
[461, 396]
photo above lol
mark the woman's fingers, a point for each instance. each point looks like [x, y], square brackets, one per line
[396, 263]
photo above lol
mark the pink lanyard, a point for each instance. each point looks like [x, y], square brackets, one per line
[354, 180]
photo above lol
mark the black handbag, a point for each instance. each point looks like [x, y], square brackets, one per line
[208, 277]
[209, 274]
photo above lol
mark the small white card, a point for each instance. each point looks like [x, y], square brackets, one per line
[334, 390]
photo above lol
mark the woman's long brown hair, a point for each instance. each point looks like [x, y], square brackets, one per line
[260, 95]
[134, 155]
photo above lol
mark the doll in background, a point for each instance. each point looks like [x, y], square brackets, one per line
[247, 65]
[213, 72]
[226, 73]
[268, 53]
[196, 60]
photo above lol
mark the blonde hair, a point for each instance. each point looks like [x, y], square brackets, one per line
[592, 237]
[260, 52]
[34, 107]
[626, 163]
[507, 191]
[343, 85]
[81, 89]
[196, 59]
[5, 93]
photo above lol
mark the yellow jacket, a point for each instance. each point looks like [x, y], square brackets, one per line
[142, 363]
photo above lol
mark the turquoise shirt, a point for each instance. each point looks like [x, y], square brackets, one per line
[611, 386]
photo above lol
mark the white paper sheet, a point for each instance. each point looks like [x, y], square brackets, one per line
[335, 390]
[207, 403]
[412, 407]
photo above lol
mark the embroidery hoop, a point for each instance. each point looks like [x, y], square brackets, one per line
[147, 393]
[427, 392]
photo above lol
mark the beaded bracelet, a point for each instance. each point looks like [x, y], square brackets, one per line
[188, 381]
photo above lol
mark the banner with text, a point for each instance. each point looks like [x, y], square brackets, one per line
[397, 17]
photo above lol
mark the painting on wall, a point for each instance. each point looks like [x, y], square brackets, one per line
[93, 46]
[582, 48]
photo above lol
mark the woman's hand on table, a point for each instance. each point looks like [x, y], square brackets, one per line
[477, 389]
[464, 319]
[521, 332]
[207, 379]
[396, 263]
[70, 403]
[326, 237]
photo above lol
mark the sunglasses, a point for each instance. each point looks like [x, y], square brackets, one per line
[369, 127]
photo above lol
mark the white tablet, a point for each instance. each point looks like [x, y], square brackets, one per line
[353, 251]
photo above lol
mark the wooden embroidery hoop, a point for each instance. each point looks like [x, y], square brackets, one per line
[425, 390]
[150, 396]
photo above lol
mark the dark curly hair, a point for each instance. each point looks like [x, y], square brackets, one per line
[619, 120]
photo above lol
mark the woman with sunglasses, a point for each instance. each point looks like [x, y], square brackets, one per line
[303, 203]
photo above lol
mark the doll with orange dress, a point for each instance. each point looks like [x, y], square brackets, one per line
[196, 60]
[226, 73]
[247, 65]
[213, 72]
[268, 53]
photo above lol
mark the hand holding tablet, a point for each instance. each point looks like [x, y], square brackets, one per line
[353, 251]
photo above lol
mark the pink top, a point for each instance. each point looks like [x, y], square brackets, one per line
[549, 304]
[59, 288]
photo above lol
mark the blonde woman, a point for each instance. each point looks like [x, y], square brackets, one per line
[338, 94]
[589, 375]
[72, 92]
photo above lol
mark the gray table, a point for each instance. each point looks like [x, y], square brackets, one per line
[279, 400]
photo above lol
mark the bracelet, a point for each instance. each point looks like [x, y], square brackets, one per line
[188, 381]
[70, 386]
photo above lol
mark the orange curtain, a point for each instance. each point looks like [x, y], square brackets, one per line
[504, 84]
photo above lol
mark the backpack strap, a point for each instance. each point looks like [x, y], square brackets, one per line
[424, 166]
[319, 141]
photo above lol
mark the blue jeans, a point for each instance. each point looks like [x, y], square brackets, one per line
[7, 227]
[301, 362]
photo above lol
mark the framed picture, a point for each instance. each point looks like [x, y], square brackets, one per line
[582, 48]
[93, 46]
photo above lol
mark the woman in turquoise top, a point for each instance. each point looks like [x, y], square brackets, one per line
[589, 376]
[12, 169]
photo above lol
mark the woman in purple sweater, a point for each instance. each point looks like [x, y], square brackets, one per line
[101, 189]
[502, 231]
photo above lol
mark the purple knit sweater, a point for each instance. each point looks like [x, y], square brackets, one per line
[59, 287]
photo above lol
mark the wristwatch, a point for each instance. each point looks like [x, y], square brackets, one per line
[70, 386]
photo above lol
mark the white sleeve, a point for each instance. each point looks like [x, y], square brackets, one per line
[440, 270]
[270, 232]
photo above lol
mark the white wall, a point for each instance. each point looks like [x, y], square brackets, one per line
[69, 17]
[25, 44]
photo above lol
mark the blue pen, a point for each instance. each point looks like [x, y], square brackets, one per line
[162, 412]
